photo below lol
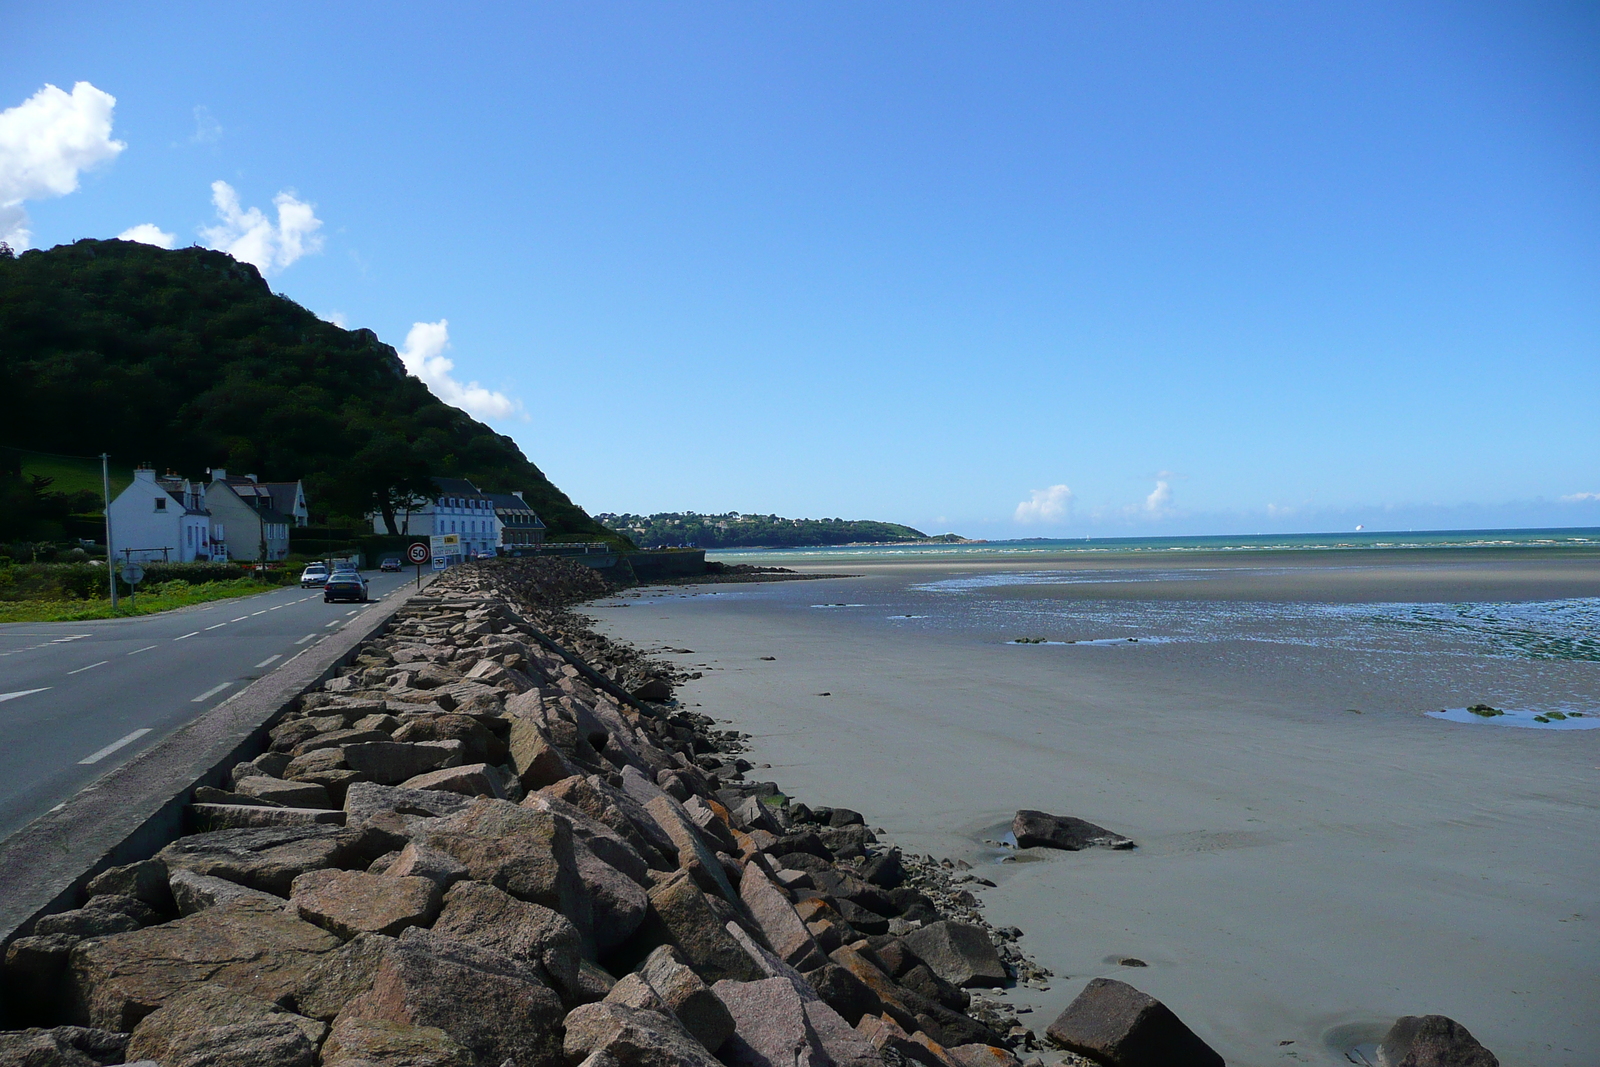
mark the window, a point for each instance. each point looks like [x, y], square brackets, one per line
[161, 503]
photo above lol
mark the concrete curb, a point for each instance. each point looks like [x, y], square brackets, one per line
[136, 809]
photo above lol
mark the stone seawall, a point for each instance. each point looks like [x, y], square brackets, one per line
[493, 838]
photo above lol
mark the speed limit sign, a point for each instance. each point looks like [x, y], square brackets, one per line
[417, 553]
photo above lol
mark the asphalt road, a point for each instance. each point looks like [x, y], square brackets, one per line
[80, 698]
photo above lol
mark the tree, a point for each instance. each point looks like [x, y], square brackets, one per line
[386, 476]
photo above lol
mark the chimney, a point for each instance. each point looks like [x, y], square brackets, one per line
[518, 494]
[144, 473]
[218, 474]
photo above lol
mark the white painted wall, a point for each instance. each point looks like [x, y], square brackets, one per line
[148, 524]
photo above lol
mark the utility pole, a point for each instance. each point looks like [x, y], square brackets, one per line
[105, 489]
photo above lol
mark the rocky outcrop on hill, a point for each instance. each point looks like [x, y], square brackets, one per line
[494, 839]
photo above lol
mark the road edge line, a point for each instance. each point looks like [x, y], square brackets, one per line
[131, 812]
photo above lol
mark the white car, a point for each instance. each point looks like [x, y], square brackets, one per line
[315, 574]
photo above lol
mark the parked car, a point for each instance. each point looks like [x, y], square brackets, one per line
[314, 574]
[345, 585]
[390, 563]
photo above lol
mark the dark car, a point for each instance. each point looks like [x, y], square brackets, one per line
[390, 563]
[344, 585]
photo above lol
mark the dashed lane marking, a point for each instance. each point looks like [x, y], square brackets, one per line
[96, 757]
[41, 644]
[218, 626]
[186, 636]
[268, 660]
[352, 611]
[209, 693]
[275, 607]
[21, 693]
[263, 611]
[307, 637]
[335, 622]
[90, 667]
[136, 651]
[241, 618]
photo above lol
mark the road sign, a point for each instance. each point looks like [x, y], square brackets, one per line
[417, 553]
[438, 563]
[445, 544]
[132, 573]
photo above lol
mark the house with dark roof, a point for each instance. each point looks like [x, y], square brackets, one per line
[244, 519]
[289, 498]
[161, 520]
[520, 527]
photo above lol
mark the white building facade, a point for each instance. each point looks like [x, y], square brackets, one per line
[161, 520]
[458, 508]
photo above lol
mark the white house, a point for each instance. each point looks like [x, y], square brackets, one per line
[457, 508]
[161, 520]
[244, 520]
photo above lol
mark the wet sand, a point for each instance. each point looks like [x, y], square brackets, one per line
[1306, 873]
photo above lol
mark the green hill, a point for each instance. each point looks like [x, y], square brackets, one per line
[736, 530]
[186, 359]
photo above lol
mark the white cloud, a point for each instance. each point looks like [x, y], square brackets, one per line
[248, 235]
[423, 355]
[1580, 498]
[45, 143]
[207, 130]
[337, 318]
[1046, 505]
[1159, 502]
[148, 233]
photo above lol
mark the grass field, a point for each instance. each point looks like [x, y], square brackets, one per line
[164, 597]
[74, 474]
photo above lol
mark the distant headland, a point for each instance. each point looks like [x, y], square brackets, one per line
[738, 530]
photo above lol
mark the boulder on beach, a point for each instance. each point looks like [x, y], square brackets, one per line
[1432, 1041]
[1039, 829]
[1113, 1023]
[959, 953]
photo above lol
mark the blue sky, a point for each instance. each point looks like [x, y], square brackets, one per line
[1210, 267]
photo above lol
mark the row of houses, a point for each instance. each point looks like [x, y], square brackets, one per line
[170, 518]
[487, 523]
[229, 517]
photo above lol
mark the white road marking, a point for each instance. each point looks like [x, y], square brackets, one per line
[209, 693]
[90, 667]
[307, 637]
[186, 636]
[112, 747]
[253, 614]
[57, 808]
[136, 651]
[21, 693]
[218, 626]
[275, 607]
[268, 660]
[241, 618]
[335, 622]
[352, 611]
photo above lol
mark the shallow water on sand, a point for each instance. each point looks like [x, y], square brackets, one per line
[1316, 855]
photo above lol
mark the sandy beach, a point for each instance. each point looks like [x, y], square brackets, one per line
[1316, 857]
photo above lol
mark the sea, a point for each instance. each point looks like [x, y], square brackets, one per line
[1564, 537]
[1501, 661]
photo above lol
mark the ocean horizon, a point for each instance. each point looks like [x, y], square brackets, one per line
[1580, 537]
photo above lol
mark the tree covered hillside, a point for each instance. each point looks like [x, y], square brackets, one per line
[735, 530]
[186, 359]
